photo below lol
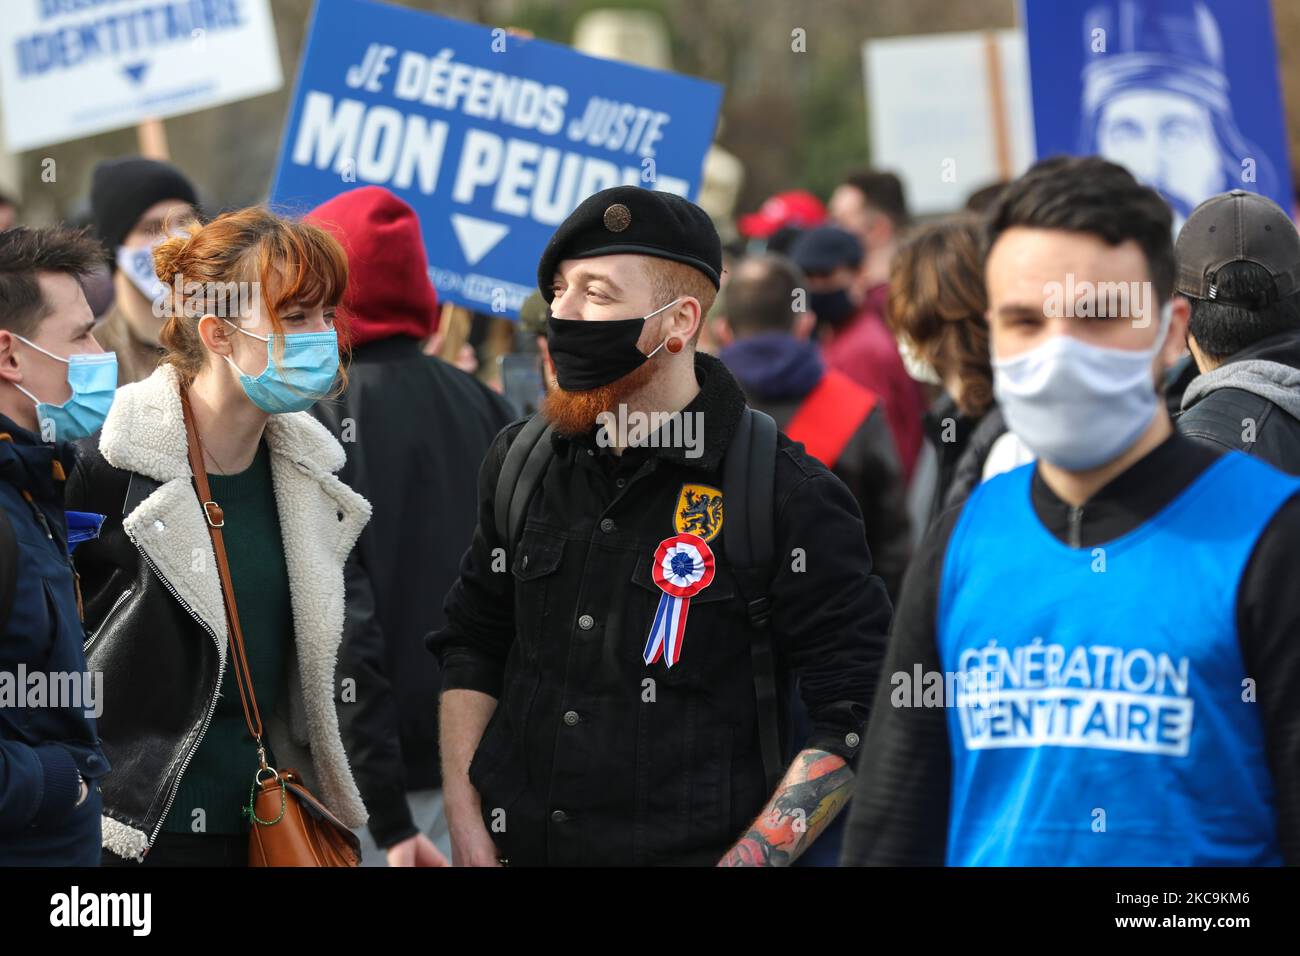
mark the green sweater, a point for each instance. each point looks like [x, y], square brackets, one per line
[221, 771]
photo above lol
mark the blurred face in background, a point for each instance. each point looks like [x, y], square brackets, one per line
[157, 219]
[8, 215]
[173, 214]
[833, 297]
[850, 210]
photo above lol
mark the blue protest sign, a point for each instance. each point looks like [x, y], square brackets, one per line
[1184, 93]
[492, 138]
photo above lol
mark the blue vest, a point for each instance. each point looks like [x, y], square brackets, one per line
[1099, 716]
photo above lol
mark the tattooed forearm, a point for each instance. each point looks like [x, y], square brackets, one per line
[815, 788]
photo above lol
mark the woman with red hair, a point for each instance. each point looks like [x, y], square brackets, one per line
[250, 343]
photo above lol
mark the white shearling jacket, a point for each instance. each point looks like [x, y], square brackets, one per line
[157, 627]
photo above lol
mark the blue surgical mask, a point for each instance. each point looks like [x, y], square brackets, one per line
[305, 375]
[94, 381]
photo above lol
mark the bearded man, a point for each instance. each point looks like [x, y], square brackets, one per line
[583, 720]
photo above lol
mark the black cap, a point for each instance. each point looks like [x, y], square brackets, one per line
[1237, 227]
[122, 190]
[635, 221]
[824, 249]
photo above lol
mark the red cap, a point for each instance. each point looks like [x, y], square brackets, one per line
[795, 208]
[389, 290]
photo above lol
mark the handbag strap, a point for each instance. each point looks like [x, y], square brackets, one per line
[216, 521]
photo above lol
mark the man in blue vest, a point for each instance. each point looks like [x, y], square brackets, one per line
[1094, 661]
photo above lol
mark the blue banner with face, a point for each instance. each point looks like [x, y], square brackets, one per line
[1183, 93]
[492, 138]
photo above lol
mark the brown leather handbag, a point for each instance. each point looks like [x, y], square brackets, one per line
[290, 827]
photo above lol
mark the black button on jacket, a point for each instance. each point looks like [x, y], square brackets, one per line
[594, 757]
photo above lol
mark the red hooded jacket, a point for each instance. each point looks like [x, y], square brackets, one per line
[389, 290]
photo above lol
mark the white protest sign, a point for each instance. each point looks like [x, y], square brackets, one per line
[73, 68]
[949, 112]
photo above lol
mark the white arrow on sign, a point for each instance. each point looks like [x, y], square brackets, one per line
[477, 236]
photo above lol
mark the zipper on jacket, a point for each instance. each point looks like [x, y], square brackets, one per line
[40, 518]
[102, 624]
[221, 673]
[1076, 526]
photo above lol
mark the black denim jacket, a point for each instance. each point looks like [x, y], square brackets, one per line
[594, 757]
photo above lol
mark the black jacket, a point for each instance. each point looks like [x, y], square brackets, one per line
[43, 748]
[962, 444]
[948, 431]
[968, 469]
[133, 621]
[1251, 403]
[595, 757]
[899, 813]
[414, 429]
[869, 468]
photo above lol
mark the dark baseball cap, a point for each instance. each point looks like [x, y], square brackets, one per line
[1237, 226]
[824, 249]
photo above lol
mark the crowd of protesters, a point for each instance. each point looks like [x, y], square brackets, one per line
[1006, 584]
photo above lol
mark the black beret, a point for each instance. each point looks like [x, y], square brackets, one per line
[642, 222]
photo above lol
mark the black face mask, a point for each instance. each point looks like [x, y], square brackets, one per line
[589, 353]
[833, 308]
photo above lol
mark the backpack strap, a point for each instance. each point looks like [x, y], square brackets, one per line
[521, 473]
[749, 474]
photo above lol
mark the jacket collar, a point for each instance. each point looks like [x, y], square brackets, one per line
[1269, 368]
[717, 407]
[145, 432]
[1132, 497]
[32, 465]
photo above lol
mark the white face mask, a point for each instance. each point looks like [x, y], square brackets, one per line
[1078, 405]
[137, 264]
[917, 367]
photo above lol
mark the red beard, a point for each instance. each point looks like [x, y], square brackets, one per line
[575, 413]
